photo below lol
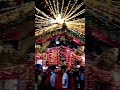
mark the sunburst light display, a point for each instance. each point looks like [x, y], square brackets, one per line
[56, 12]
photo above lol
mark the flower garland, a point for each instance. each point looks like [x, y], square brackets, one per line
[55, 54]
[70, 33]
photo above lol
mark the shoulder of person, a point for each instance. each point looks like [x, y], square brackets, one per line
[65, 74]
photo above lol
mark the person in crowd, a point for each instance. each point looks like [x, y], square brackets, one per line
[65, 78]
[47, 79]
[52, 78]
[62, 79]
[71, 80]
[77, 79]
[58, 84]
[38, 79]
[82, 78]
[69, 77]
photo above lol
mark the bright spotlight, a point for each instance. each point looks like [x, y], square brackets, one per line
[57, 42]
[57, 20]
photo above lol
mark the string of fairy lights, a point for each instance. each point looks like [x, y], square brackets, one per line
[60, 13]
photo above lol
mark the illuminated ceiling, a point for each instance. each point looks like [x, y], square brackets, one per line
[55, 13]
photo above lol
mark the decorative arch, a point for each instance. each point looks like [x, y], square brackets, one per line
[44, 40]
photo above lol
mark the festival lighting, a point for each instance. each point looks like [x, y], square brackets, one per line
[57, 42]
[60, 13]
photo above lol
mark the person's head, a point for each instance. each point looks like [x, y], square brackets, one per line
[63, 68]
[53, 68]
[82, 68]
[38, 72]
[48, 70]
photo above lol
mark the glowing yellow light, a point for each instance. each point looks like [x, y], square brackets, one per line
[59, 14]
[57, 20]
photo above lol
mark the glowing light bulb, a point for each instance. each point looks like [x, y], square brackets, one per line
[59, 19]
[57, 42]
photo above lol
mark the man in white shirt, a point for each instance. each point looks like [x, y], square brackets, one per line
[64, 77]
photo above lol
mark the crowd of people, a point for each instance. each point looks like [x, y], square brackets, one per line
[60, 78]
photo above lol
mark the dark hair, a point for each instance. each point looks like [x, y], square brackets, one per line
[63, 67]
[53, 67]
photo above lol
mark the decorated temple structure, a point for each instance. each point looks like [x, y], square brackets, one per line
[61, 46]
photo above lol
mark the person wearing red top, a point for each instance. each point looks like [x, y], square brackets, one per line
[58, 84]
[72, 83]
[47, 80]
